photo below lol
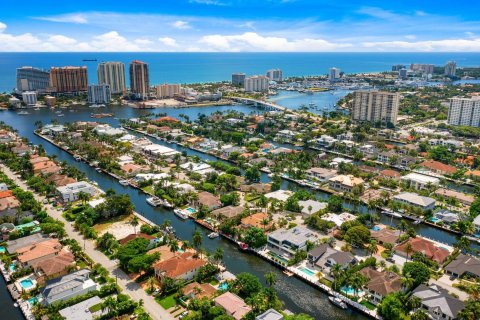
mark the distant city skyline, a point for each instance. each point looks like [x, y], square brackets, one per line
[235, 25]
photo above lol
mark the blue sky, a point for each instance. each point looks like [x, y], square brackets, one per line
[240, 25]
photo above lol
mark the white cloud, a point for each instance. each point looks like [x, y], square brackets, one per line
[411, 37]
[3, 26]
[113, 41]
[59, 39]
[180, 24]
[170, 42]
[251, 41]
[143, 42]
[446, 45]
[68, 18]
[208, 2]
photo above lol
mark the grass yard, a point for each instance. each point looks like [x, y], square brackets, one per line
[96, 307]
[167, 302]
[367, 304]
[149, 189]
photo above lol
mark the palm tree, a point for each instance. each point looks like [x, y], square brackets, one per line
[185, 245]
[197, 239]
[264, 223]
[336, 271]
[218, 255]
[110, 305]
[84, 197]
[407, 281]
[383, 264]
[372, 247]
[134, 222]
[166, 223]
[403, 225]
[270, 278]
[408, 249]
[173, 245]
[151, 282]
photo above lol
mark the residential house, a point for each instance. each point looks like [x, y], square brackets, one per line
[183, 266]
[320, 174]
[387, 157]
[289, 241]
[8, 205]
[270, 314]
[325, 257]
[344, 183]
[256, 220]
[233, 305]
[14, 245]
[207, 199]
[60, 180]
[464, 265]
[70, 192]
[339, 219]
[151, 239]
[413, 199]
[21, 150]
[438, 303]
[325, 141]
[280, 195]
[311, 206]
[390, 174]
[228, 212]
[420, 181]
[68, 286]
[132, 169]
[34, 253]
[463, 198]
[82, 310]
[386, 235]
[54, 267]
[438, 167]
[3, 187]
[406, 161]
[446, 216]
[337, 161]
[286, 135]
[381, 283]
[421, 245]
[195, 290]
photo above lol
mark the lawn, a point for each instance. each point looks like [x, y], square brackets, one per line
[96, 307]
[367, 304]
[325, 282]
[167, 302]
[149, 189]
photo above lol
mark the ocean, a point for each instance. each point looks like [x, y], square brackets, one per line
[204, 67]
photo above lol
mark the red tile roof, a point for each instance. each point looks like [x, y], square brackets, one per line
[438, 167]
[135, 236]
[179, 265]
[428, 248]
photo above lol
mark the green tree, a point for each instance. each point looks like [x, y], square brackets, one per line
[418, 271]
[134, 223]
[358, 236]
[255, 238]
[391, 307]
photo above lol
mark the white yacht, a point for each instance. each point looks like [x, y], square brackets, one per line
[181, 213]
[123, 182]
[167, 204]
[154, 201]
[338, 302]
[213, 235]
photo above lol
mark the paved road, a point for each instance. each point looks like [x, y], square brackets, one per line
[129, 287]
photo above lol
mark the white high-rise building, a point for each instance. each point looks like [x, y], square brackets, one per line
[275, 74]
[423, 68]
[450, 68]
[113, 74]
[464, 112]
[256, 83]
[334, 74]
[32, 79]
[99, 93]
[30, 98]
[167, 90]
[375, 106]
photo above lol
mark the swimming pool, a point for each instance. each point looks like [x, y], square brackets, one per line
[350, 291]
[434, 220]
[2, 250]
[32, 301]
[11, 267]
[376, 228]
[191, 210]
[26, 284]
[308, 272]
[223, 286]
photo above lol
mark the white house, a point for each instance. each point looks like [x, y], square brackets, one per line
[420, 181]
[70, 192]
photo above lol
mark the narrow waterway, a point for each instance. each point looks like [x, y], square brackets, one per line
[8, 311]
[298, 296]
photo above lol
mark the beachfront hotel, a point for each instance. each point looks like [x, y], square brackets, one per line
[113, 74]
[139, 79]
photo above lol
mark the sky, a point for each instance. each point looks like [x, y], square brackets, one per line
[240, 26]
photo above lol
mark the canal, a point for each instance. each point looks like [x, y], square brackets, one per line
[297, 296]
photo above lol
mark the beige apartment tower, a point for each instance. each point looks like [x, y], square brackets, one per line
[139, 80]
[375, 106]
[167, 90]
[113, 74]
[68, 79]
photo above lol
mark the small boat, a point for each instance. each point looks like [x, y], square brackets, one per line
[36, 109]
[98, 170]
[94, 106]
[338, 302]
[213, 235]
[243, 246]
[154, 201]
[77, 157]
[417, 221]
[123, 182]
[167, 204]
[60, 115]
[170, 229]
[288, 273]
[180, 213]
[15, 305]
[23, 113]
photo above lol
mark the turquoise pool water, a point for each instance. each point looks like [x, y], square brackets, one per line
[32, 301]
[2, 250]
[350, 291]
[308, 272]
[191, 210]
[11, 267]
[26, 283]
[433, 219]
[223, 286]
[376, 228]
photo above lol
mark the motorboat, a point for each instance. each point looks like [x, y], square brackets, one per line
[124, 182]
[23, 113]
[94, 106]
[77, 157]
[243, 246]
[338, 302]
[98, 170]
[213, 235]
[181, 213]
[167, 204]
[154, 201]
[417, 222]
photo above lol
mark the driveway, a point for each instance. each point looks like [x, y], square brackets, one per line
[445, 282]
[129, 287]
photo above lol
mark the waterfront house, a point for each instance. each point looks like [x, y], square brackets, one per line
[325, 257]
[70, 192]
[320, 174]
[68, 286]
[34, 253]
[14, 245]
[438, 303]
[280, 195]
[207, 199]
[82, 310]
[336, 162]
[107, 130]
[381, 283]
[406, 161]
[45, 167]
[413, 199]
[367, 149]
[195, 290]
[344, 183]
[157, 151]
[270, 314]
[464, 265]
[463, 198]
[420, 181]
[133, 236]
[21, 150]
[446, 216]
[325, 141]
[256, 221]
[233, 305]
[286, 135]
[438, 167]
[183, 266]
[60, 180]
[424, 246]
[283, 241]
[132, 169]
[390, 174]
[339, 219]
[53, 267]
[386, 235]
[227, 151]
[387, 156]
